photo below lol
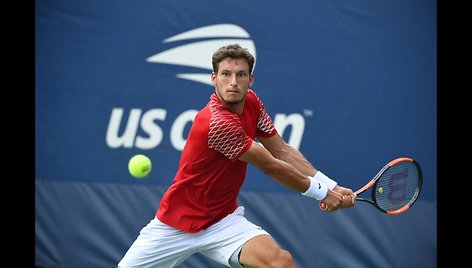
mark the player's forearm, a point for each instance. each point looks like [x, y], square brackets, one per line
[288, 175]
[295, 158]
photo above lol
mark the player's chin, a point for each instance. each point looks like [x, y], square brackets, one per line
[234, 99]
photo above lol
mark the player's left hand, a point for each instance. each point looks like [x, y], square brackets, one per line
[349, 197]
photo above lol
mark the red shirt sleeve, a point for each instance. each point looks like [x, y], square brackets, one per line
[227, 136]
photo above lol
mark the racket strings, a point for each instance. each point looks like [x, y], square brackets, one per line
[397, 187]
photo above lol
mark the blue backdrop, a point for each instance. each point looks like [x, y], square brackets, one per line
[352, 84]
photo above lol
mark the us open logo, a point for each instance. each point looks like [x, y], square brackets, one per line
[198, 54]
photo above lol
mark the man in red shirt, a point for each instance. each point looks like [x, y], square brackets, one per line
[199, 212]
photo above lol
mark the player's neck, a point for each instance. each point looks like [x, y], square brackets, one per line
[235, 108]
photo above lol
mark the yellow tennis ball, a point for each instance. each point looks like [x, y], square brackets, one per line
[381, 190]
[139, 166]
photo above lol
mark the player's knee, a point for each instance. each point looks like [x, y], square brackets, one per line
[283, 259]
[287, 259]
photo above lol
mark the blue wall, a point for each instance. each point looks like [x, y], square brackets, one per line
[352, 84]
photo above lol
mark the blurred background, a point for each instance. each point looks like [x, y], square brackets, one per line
[352, 84]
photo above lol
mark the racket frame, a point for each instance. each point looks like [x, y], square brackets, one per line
[372, 183]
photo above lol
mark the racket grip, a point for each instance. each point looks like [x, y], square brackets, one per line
[323, 206]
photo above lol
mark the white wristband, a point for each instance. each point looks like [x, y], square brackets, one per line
[323, 178]
[317, 190]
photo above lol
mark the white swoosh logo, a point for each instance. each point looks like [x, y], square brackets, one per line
[217, 30]
[198, 54]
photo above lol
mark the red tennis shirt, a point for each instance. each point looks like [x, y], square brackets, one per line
[207, 183]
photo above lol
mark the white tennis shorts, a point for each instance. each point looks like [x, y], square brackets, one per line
[160, 245]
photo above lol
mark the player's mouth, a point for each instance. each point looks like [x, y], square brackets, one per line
[233, 92]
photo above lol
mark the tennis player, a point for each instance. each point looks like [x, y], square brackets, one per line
[199, 212]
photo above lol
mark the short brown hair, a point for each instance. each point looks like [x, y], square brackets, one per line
[232, 51]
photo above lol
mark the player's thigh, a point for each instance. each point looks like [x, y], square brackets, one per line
[264, 251]
[158, 245]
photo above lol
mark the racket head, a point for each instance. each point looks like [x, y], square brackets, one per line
[398, 186]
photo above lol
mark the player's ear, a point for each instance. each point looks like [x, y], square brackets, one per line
[251, 79]
[213, 78]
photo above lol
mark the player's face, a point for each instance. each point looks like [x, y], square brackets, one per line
[232, 80]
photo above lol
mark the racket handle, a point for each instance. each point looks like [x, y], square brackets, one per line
[323, 206]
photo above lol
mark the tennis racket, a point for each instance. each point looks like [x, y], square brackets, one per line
[395, 188]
